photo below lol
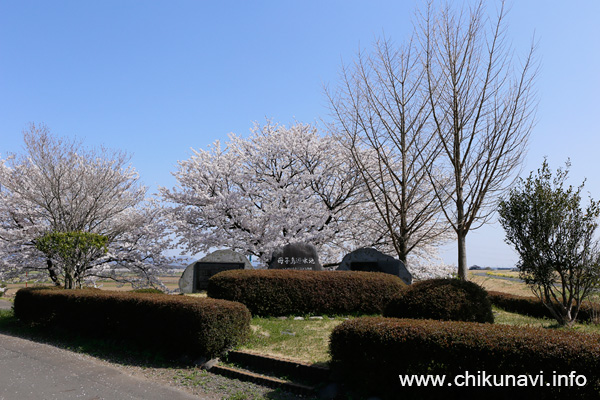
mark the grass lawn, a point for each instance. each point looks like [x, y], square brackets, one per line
[306, 340]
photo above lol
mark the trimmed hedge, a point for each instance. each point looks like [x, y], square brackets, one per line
[148, 290]
[442, 299]
[278, 292]
[173, 324]
[532, 306]
[371, 352]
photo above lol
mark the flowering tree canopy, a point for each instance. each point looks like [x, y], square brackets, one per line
[279, 185]
[58, 187]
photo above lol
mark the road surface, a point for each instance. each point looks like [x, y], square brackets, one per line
[35, 371]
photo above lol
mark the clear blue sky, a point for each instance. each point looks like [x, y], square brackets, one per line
[158, 77]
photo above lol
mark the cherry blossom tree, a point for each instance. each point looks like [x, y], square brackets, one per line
[58, 186]
[279, 185]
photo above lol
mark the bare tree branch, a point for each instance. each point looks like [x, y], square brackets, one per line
[482, 109]
[381, 114]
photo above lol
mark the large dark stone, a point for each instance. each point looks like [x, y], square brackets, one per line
[301, 256]
[196, 275]
[371, 260]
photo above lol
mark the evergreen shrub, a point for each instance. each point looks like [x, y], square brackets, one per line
[278, 292]
[442, 299]
[171, 324]
[370, 353]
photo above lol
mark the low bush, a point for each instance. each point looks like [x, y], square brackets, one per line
[292, 292]
[532, 306]
[148, 290]
[171, 324]
[370, 353]
[442, 299]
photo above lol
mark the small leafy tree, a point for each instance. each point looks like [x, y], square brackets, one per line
[71, 254]
[554, 237]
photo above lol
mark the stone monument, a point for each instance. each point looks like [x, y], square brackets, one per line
[371, 260]
[196, 275]
[301, 256]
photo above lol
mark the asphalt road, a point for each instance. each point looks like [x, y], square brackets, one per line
[35, 371]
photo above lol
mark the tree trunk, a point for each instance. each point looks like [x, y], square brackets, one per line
[402, 255]
[68, 279]
[462, 256]
[51, 272]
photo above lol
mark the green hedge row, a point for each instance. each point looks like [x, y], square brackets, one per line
[371, 352]
[172, 324]
[532, 306]
[442, 299]
[292, 292]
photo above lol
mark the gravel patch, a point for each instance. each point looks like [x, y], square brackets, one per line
[207, 385]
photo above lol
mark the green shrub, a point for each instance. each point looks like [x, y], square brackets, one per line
[293, 292]
[171, 324]
[532, 306]
[370, 353]
[148, 290]
[442, 299]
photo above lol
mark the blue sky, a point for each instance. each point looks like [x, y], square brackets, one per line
[155, 78]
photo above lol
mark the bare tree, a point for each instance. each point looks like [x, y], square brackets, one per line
[482, 105]
[381, 113]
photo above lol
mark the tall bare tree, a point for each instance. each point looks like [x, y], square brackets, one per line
[482, 105]
[381, 113]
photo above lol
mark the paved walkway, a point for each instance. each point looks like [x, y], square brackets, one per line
[5, 305]
[35, 371]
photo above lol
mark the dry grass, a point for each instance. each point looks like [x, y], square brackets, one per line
[493, 282]
[503, 274]
[508, 318]
[171, 282]
[200, 294]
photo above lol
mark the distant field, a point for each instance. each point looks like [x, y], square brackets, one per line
[492, 280]
[171, 282]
